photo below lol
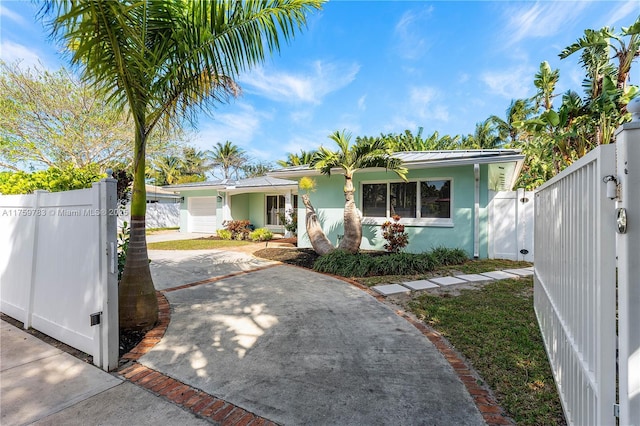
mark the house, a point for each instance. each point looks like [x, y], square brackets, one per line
[444, 203]
[206, 206]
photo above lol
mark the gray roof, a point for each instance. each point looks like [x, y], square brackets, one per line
[226, 184]
[415, 159]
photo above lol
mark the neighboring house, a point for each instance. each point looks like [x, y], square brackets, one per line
[206, 206]
[163, 209]
[157, 194]
[444, 203]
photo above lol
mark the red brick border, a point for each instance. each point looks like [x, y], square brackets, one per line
[191, 399]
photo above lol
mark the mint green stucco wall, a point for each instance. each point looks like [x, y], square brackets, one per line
[184, 206]
[240, 207]
[328, 199]
[256, 209]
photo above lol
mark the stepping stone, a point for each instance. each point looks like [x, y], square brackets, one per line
[521, 272]
[390, 289]
[448, 281]
[420, 285]
[474, 278]
[499, 275]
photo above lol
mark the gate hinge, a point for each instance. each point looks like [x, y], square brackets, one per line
[616, 410]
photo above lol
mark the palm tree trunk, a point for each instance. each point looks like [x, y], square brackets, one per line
[138, 306]
[319, 241]
[352, 223]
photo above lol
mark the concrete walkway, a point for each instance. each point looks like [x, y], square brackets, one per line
[297, 347]
[40, 384]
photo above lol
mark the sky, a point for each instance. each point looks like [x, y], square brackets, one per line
[378, 67]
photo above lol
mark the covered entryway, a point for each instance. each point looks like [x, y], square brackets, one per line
[202, 214]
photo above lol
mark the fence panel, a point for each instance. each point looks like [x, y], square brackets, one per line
[60, 266]
[575, 286]
[511, 225]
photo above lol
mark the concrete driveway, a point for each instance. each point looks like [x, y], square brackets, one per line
[298, 347]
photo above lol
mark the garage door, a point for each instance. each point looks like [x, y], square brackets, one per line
[202, 214]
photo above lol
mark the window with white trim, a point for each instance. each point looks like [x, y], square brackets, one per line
[422, 200]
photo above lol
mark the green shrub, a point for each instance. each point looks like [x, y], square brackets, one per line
[123, 247]
[448, 256]
[345, 264]
[400, 264]
[261, 234]
[224, 234]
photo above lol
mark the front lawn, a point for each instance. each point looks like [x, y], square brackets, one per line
[197, 244]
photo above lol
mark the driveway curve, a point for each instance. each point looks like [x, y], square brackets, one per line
[298, 347]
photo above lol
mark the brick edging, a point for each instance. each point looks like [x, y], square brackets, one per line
[189, 398]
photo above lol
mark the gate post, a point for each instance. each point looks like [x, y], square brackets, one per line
[628, 250]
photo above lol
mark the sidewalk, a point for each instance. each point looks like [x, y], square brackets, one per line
[40, 384]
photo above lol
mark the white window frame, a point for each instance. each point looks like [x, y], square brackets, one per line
[417, 221]
[266, 213]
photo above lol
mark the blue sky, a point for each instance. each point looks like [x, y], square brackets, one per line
[375, 67]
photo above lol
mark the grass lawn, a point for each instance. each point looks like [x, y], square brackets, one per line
[495, 328]
[151, 231]
[197, 244]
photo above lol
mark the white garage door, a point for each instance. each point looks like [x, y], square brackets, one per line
[202, 214]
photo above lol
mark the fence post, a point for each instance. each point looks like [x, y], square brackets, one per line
[28, 312]
[628, 250]
[109, 326]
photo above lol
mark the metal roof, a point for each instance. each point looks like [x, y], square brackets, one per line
[230, 184]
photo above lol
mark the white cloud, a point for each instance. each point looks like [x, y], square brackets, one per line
[239, 127]
[409, 30]
[311, 87]
[6, 13]
[11, 52]
[541, 19]
[362, 105]
[510, 83]
[423, 101]
[629, 9]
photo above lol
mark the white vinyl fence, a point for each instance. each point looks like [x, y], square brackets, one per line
[58, 266]
[511, 225]
[576, 245]
[159, 215]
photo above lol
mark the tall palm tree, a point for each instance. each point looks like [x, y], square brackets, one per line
[519, 111]
[228, 157]
[350, 159]
[167, 170]
[162, 59]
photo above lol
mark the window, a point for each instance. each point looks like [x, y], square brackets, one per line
[403, 199]
[275, 205]
[435, 199]
[425, 201]
[374, 200]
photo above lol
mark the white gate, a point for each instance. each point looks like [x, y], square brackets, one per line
[511, 225]
[575, 282]
[58, 266]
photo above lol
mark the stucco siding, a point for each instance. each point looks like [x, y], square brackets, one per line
[328, 199]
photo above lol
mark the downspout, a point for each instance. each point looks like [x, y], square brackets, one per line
[476, 212]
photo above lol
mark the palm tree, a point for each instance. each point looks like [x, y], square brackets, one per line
[161, 60]
[301, 159]
[350, 159]
[228, 157]
[194, 162]
[510, 129]
[167, 170]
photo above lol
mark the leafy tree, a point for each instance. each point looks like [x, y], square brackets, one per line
[351, 158]
[164, 60]
[256, 169]
[53, 179]
[410, 142]
[51, 119]
[228, 158]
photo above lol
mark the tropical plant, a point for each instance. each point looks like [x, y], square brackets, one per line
[228, 158]
[349, 159]
[239, 229]
[301, 159]
[223, 234]
[289, 220]
[256, 169]
[123, 247]
[164, 60]
[394, 233]
[261, 234]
